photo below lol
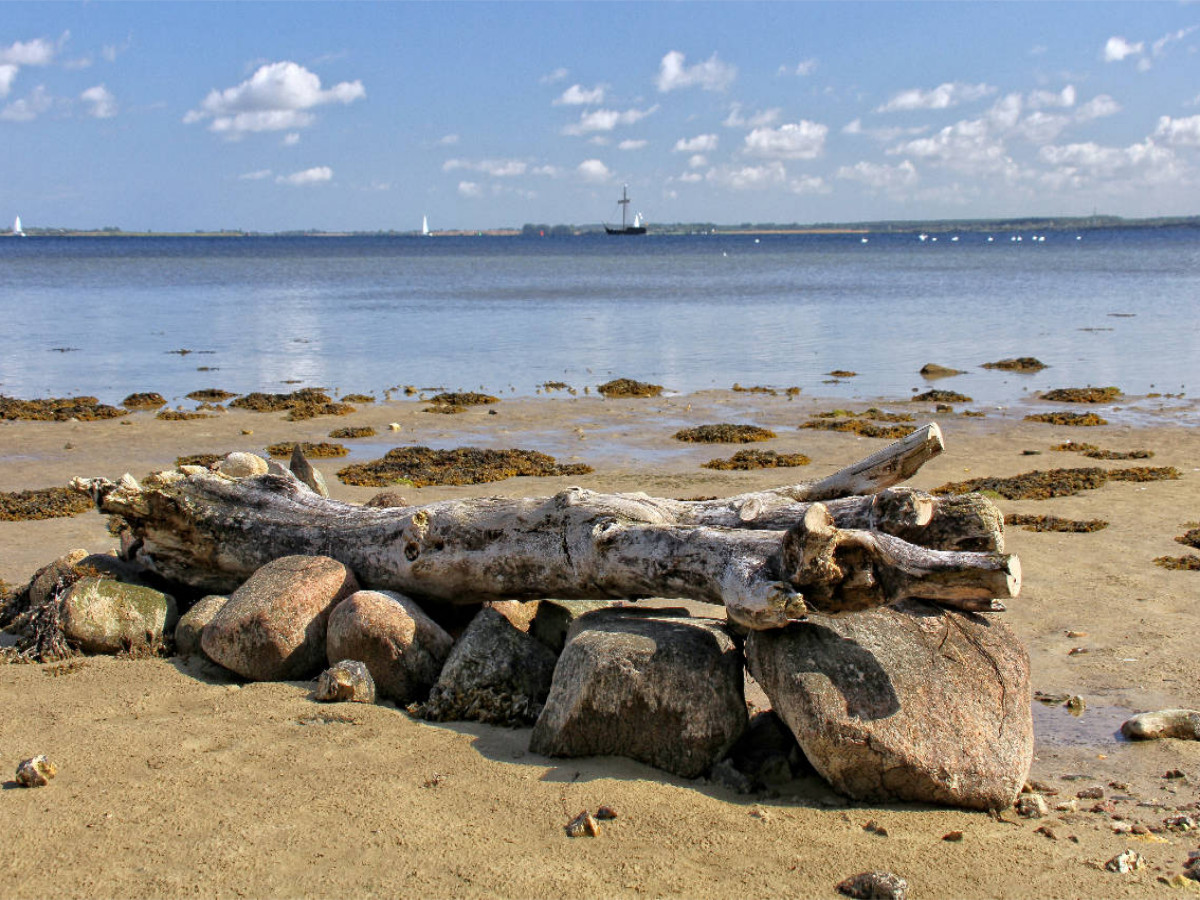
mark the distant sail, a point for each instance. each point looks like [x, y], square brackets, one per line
[17, 232]
[425, 226]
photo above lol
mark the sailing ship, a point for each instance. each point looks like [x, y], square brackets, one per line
[425, 226]
[17, 232]
[637, 227]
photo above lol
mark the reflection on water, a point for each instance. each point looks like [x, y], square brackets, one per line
[1097, 726]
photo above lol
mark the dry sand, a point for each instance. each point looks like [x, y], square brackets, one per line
[176, 779]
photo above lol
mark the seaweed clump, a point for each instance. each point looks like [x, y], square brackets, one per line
[1190, 538]
[145, 400]
[207, 460]
[745, 460]
[1082, 420]
[1190, 563]
[1019, 364]
[210, 395]
[358, 398]
[57, 409]
[421, 467]
[354, 431]
[1091, 451]
[936, 395]
[306, 403]
[1083, 395]
[627, 387]
[452, 402]
[42, 503]
[724, 434]
[323, 450]
[181, 415]
[1038, 485]
[1054, 523]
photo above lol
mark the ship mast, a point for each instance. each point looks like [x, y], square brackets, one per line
[624, 201]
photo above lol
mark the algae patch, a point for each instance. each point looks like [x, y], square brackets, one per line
[745, 460]
[1091, 451]
[627, 387]
[144, 400]
[1018, 364]
[421, 467]
[1054, 523]
[939, 396]
[57, 409]
[724, 434]
[323, 450]
[1038, 485]
[1081, 420]
[1083, 395]
[42, 503]
[360, 431]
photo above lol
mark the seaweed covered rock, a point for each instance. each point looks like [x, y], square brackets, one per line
[402, 647]
[273, 627]
[100, 615]
[496, 674]
[666, 691]
[909, 703]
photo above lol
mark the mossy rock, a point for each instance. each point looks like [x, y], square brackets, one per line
[1019, 364]
[421, 466]
[42, 503]
[725, 434]
[100, 615]
[359, 431]
[211, 395]
[145, 400]
[933, 370]
[463, 398]
[939, 396]
[1083, 395]
[627, 387]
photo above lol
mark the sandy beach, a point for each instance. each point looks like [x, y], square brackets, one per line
[177, 779]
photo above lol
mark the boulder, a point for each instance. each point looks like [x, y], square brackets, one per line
[908, 703]
[242, 465]
[273, 627]
[345, 682]
[663, 690]
[403, 648]
[496, 674]
[553, 619]
[59, 574]
[305, 471]
[100, 615]
[191, 624]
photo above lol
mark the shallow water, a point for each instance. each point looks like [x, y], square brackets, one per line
[106, 316]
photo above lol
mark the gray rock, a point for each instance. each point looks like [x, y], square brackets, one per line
[387, 500]
[242, 465]
[906, 703]
[554, 618]
[273, 627]
[306, 472]
[402, 647]
[1032, 806]
[100, 615]
[874, 886]
[496, 673]
[1181, 724]
[665, 691]
[347, 681]
[191, 624]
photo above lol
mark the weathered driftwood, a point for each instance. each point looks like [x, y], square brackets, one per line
[768, 557]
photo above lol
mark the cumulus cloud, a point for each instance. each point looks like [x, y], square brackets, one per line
[742, 178]
[8, 74]
[698, 161]
[469, 189]
[879, 176]
[632, 145]
[944, 96]
[277, 97]
[1043, 99]
[754, 120]
[315, 175]
[701, 143]
[1179, 132]
[1098, 107]
[497, 168]
[291, 139]
[38, 52]
[593, 170]
[557, 75]
[578, 95]
[1116, 49]
[606, 120]
[1142, 163]
[711, 75]
[28, 108]
[794, 140]
[100, 102]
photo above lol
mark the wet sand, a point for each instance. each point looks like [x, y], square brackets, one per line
[175, 778]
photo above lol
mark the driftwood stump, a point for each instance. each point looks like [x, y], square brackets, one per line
[849, 542]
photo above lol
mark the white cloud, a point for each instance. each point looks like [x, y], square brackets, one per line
[970, 145]
[806, 67]
[1159, 47]
[1116, 49]
[315, 175]
[943, 96]
[606, 120]
[1098, 107]
[749, 177]
[808, 184]
[711, 75]
[447, 140]
[8, 74]
[38, 52]
[1139, 164]
[291, 139]
[794, 140]
[110, 52]
[701, 143]
[1042, 99]
[1179, 132]
[100, 102]
[276, 97]
[469, 189]
[754, 120]
[881, 177]
[691, 177]
[258, 175]
[29, 108]
[497, 168]
[557, 75]
[698, 161]
[578, 95]
[632, 145]
[593, 170]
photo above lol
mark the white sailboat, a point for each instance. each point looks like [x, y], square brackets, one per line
[17, 232]
[425, 226]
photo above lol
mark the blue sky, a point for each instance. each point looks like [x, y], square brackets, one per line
[272, 116]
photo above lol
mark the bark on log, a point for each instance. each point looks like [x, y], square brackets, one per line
[767, 557]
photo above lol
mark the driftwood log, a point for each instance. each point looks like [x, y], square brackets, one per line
[849, 542]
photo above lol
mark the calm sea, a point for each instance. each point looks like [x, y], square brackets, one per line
[109, 316]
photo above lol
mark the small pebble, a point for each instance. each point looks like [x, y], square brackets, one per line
[1125, 862]
[606, 813]
[36, 771]
[583, 825]
[1092, 793]
[394, 426]
[1031, 806]
[953, 836]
